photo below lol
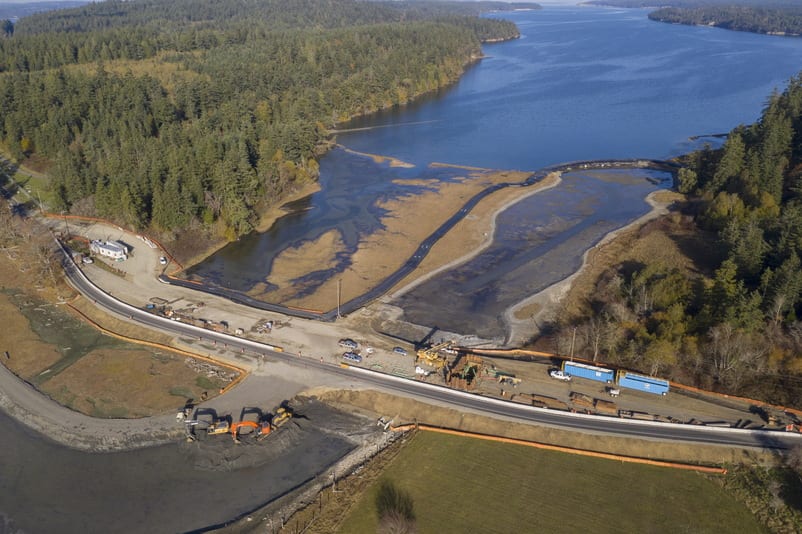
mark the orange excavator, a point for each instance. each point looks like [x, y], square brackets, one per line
[261, 429]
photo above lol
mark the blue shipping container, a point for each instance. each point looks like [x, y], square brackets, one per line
[658, 386]
[591, 372]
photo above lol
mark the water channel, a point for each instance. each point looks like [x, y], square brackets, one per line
[581, 83]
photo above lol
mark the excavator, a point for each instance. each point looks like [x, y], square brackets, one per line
[283, 414]
[261, 429]
[431, 355]
[222, 425]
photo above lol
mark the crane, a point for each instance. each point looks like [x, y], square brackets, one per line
[431, 355]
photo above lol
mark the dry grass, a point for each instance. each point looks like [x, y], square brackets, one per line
[669, 240]
[410, 220]
[29, 355]
[309, 256]
[129, 382]
[474, 231]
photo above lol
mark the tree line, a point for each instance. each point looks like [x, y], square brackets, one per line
[785, 20]
[734, 326]
[230, 114]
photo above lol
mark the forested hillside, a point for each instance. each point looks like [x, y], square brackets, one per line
[732, 319]
[170, 113]
[694, 3]
[773, 20]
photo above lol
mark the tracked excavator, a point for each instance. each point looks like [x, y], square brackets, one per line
[283, 414]
[222, 425]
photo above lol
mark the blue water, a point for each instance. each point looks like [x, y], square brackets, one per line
[589, 83]
[581, 83]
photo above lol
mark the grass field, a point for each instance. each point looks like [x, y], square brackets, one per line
[466, 485]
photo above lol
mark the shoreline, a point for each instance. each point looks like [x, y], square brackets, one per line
[546, 300]
[551, 180]
[32, 409]
[266, 220]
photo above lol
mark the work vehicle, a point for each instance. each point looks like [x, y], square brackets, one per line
[218, 427]
[400, 350]
[560, 375]
[431, 355]
[283, 414]
[260, 429]
[349, 344]
[352, 357]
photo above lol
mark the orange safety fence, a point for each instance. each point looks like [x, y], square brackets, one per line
[242, 373]
[558, 448]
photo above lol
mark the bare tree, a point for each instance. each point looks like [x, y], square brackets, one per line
[598, 333]
[732, 353]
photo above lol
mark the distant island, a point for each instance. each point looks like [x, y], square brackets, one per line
[15, 10]
[767, 20]
[777, 17]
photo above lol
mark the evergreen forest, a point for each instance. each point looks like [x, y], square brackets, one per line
[758, 19]
[169, 114]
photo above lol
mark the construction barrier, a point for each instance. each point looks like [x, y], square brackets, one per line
[558, 448]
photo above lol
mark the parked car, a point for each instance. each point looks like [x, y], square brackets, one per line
[400, 350]
[163, 260]
[560, 375]
[352, 357]
[87, 260]
[349, 343]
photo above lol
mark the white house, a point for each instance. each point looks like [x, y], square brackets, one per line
[110, 249]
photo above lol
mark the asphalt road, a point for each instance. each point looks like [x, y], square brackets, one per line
[447, 396]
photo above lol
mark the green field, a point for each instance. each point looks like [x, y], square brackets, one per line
[467, 485]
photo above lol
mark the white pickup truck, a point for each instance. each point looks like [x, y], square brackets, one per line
[560, 375]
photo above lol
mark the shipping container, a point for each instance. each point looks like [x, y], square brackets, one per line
[658, 386]
[591, 372]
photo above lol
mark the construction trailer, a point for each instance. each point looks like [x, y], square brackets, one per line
[591, 372]
[647, 384]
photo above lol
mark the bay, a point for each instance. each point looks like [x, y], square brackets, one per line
[581, 83]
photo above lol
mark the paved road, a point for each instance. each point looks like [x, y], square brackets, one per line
[443, 395]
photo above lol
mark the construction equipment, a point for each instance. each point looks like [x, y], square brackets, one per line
[466, 372]
[283, 414]
[218, 427]
[261, 429]
[431, 355]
